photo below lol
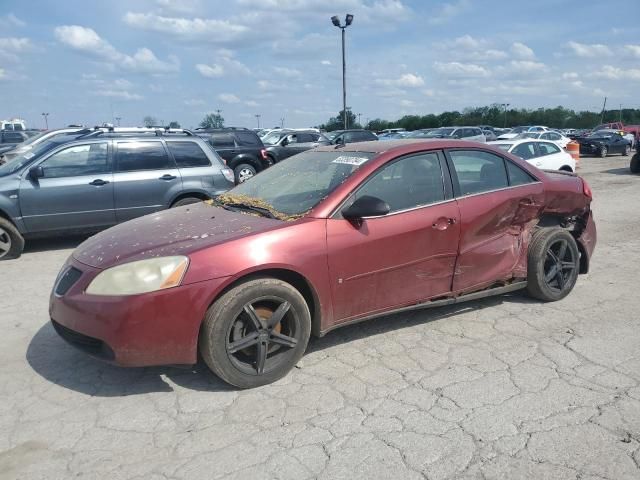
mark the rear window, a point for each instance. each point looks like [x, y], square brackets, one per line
[142, 156]
[222, 140]
[188, 154]
[248, 138]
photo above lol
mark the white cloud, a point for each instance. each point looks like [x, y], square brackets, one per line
[526, 66]
[86, 40]
[615, 73]
[194, 102]
[121, 94]
[457, 69]
[407, 103]
[589, 51]
[251, 103]
[3, 73]
[448, 11]
[228, 98]
[570, 76]
[633, 50]
[182, 6]
[468, 42]
[16, 44]
[520, 50]
[287, 72]
[406, 80]
[470, 48]
[10, 20]
[210, 71]
[325, 62]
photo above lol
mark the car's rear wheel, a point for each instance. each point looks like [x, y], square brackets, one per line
[11, 242]
[627, 150]
[553, 264]
[566, 168]
[186, 201]
[244, 172]
[634, 165]
[603, 151]
[256, 332]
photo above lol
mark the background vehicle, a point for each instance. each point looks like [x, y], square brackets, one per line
[283, 144]
[347, 237]
[545, 155]
[12, 137]
[241, 149]
[71, 184]
[473, 134]
[489, 135]
[514, 132]
[34, 140]
[551, 135]
[350, 136]
[423, 133]
[13, 124]
[604, 142]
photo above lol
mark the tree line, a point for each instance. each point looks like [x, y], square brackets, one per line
[495, 115]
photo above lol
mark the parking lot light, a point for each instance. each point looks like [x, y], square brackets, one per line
[348, 21]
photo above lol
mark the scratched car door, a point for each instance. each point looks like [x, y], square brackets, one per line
[403, 257]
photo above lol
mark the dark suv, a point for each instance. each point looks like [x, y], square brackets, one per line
[282, 143]
[74, 183]
[351, 136]
[241, 148]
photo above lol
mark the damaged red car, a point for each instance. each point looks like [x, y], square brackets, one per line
[327, 238]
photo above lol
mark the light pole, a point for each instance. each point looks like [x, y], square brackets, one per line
[282, 122]
[46, 120]
[620, 113]
[347, 21]
[359, 115]
[118, 120]
[257, 115]
[505, 105]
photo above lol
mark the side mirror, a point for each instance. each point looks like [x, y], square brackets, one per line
[36, 172]
[339, 141]
[366, 206]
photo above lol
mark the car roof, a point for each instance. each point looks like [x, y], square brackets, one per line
[405, 144]
[516, 141]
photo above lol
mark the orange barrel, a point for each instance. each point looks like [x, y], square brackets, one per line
[574, 150]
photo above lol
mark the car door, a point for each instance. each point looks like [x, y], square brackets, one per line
[618, 144]
[145, 179]
[224, 144]
[550, 156]
[400, 258]
[496, 215]
[74, 193]
[291, 145]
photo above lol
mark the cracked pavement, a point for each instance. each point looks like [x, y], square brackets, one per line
[505, 387]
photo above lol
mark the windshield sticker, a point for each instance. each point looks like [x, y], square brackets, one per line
[29, 155]
[350, 160]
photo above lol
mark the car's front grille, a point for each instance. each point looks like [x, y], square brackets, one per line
[90, 345]
[66, 280]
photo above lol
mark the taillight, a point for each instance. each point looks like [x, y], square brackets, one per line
[586, 189]
[228, 174]
[263, 152]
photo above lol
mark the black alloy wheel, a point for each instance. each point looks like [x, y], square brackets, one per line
[559, 265]
[603, 151]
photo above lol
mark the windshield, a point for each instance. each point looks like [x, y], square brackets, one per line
[519, 130]
[273, 138]
[503, 146]
[16, 163]
[441, 132]
[600, 134]
[290, 189]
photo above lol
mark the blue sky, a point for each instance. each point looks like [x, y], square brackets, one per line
[87, 62]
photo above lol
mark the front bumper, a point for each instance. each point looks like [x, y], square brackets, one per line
[589, 149]
[157, 328]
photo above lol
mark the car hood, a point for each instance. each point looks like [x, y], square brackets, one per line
[507, 136]
[177, 231]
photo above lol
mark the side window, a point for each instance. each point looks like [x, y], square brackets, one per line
[554, 136]
[548, 148]
[222, 140]
[545, 136]
[348, 137]
[525, 151]
[188, 154]
[142, 156]
[407, 183]
[478, 171]
[248, 138]
[517, 176]
[306, 138]
[77, 160]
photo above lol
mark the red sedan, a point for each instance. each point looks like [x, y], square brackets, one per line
[327, 238]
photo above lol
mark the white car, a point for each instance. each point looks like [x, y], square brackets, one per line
[552, 135]
[518, 130]
[543, 154]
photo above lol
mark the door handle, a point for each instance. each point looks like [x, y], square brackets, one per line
[443, 223]
[98, 182]
[166, 176]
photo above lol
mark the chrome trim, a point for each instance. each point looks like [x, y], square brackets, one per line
[390, 214]
[497, 190]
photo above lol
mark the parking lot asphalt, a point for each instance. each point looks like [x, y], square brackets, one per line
[504, 387]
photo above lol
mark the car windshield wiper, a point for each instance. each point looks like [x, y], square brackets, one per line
[265, 212]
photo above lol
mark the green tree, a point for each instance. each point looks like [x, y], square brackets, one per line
[149, 121]
[174, 124]
[337, 122]
[212, 120]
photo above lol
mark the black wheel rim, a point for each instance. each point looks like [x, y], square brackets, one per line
[559, 266]
[263, 335]
[5, 242]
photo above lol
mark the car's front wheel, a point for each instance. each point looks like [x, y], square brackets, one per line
[634, 165]
[603, 151]
[627, 150]
[256, 332]
[553, 264]
[11, 242]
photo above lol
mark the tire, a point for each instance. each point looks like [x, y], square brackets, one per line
[566, 168]
[627, 150]
[11, 241]
[229, 322]
[634, 165]
[603, 151]
[244, 172]
[186, 201]
[549, 249]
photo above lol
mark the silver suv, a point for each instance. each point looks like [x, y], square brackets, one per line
[70, 184]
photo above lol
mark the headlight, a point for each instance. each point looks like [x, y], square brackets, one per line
[140, 277]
